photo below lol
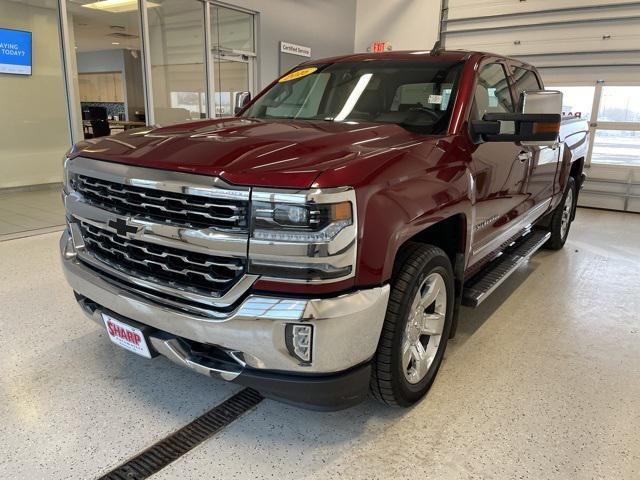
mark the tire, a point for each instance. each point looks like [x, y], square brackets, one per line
[420, 272]
[563, 213]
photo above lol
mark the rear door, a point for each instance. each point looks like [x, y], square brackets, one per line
[500, 169]
[543, 162]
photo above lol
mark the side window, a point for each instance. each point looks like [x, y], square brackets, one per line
[492, 93]
[525, 80]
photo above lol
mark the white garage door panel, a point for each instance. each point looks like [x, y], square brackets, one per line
[551, 38]
[589, 75]
[584, 59]
[459, 9]
[600, 201]
[613, 187]
[627, 12]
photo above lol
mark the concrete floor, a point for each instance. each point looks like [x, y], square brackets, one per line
[30, 210]
[542, 381]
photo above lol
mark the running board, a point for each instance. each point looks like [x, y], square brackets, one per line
[479, 287]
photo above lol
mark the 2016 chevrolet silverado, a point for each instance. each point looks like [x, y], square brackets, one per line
[318, 245]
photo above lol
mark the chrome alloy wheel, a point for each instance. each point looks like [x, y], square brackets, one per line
[424, 328]
[566, 214]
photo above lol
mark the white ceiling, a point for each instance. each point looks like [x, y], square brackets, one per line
[96, 30]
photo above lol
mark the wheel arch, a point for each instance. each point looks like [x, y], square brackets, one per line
[449, 234]
[577, 167]
[576, 172]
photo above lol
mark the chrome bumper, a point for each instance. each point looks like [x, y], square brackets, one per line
[346, 328]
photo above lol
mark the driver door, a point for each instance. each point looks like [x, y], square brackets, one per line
[544, 161]
[499, 169]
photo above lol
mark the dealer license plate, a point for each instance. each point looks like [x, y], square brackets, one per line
[126, 336]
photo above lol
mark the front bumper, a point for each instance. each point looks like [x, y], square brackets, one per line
[346, 330]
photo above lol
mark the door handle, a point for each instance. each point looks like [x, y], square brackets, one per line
[524, 156]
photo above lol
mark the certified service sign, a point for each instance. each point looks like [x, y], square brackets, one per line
[294, 49]
[15, 52]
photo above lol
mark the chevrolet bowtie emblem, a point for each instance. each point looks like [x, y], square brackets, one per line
[123, 228]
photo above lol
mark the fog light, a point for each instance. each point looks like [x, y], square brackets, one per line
[299, 340]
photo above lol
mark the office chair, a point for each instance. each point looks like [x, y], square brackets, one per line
[99, 128]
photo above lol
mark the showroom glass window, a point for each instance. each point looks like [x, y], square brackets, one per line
[176, 34]
[617, 138]
[620, 104]
[576, 100]
[108, 65]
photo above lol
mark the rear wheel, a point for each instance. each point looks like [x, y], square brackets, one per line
[562, 217]
[416, 328]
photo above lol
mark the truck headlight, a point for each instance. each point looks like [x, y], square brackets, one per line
[300, 223]
[303, 236]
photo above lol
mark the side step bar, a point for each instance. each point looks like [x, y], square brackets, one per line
[480, 286]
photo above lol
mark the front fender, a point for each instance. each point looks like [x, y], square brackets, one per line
[401, 191]
[393, 214]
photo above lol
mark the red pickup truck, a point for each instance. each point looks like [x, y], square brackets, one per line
[318, 245]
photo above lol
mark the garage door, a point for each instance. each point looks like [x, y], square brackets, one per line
[588, 49]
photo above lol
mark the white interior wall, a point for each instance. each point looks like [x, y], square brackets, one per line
[405, 24]
[34, 131]
[100, 61]
[327, 27]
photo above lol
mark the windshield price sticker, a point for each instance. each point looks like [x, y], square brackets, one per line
[298, 74]
[435, 99]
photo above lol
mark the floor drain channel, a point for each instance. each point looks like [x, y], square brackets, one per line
[169, 449]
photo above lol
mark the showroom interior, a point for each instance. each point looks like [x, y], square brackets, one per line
[540, 381]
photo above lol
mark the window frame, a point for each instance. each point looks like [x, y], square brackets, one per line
[513, 80]
[506, 70]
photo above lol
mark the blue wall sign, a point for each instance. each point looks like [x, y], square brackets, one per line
[15, 52]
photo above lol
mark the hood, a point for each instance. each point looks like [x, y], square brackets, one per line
[283, 153]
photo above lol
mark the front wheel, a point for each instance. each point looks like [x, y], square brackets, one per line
[416, 328]
[562, 217]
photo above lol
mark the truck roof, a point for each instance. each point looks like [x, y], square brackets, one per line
[396, 55]
[450, 55]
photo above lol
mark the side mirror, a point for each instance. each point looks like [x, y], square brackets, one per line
[537, 123]
[242, 99]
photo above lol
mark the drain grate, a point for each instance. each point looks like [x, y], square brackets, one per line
[169, 449]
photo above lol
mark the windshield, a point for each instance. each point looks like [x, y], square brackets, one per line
[417, 95]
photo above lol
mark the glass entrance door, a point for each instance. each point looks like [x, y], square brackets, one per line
[233, 75]
[232, 58]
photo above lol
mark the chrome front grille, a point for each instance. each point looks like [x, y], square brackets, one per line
[179, 209]
[166, 266]
[176, 238]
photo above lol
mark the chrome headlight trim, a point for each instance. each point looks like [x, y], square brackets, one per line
[314, 195]
[336, 255]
